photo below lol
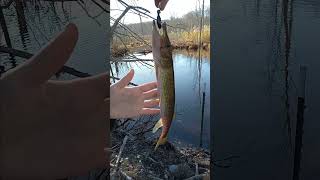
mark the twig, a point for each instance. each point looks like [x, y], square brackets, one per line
[116, 78]
[140, 12]
[125, 60]
[64, 69]
[85, 10]
[134, 35]
[153, 177]
[125, 175]
[59, 0]
[26, 55]
[105, 10]
[125, 121]
[121, 149]
[154, 160]
[7, 5]
[106, 2]
[116, 22]
[197, 169]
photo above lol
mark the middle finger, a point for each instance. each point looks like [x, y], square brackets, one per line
[150, 94]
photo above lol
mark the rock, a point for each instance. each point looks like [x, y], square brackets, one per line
[180, 171]
[173, 168]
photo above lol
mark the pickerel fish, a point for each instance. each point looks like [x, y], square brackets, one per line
[162, 54]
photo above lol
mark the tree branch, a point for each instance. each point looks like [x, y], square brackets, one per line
[64, 69]
[128, 7]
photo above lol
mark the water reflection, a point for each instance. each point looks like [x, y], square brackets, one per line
[190, 86]
[28, 25]
[259, 47]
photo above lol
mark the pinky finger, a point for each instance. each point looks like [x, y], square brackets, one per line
[150, 111]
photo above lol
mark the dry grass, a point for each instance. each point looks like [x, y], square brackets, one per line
[191, 37]
[180, 40]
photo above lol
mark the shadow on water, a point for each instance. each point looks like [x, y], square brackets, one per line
[259, 48]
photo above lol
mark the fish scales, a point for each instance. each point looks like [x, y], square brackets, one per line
[162, 52]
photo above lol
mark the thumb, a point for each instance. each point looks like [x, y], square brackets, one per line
[125, 80]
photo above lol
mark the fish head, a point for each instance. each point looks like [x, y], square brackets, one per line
[165, 45]
[155, 43]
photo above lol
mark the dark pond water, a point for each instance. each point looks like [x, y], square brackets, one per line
[191, 77]
[33, 23]
[258, 47]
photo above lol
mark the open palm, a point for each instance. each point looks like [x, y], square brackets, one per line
[52, 129]
[128, 102]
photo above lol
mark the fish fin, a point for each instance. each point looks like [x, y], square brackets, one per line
[157, 126]
[174, 116]
[161, 141]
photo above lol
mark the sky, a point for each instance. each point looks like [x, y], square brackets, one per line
[176, 8]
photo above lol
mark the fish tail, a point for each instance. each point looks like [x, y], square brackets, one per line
[158, 125]
[161, 141]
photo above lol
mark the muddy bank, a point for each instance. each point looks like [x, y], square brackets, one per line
[191, 46]
[138, 160]
[121, 51]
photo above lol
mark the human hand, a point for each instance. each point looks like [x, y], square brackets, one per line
[52, 129]
[126, 102]
[161, 4]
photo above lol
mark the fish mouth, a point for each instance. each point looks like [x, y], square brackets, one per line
[164, 39]
[156, 44]
[161, 45]
[155, 27]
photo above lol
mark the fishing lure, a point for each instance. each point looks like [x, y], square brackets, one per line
[159, 19]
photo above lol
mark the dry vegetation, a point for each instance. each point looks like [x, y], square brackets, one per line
[184, 33]
[135, 158]
[184, 40]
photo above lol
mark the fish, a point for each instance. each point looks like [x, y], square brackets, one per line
[162, 55]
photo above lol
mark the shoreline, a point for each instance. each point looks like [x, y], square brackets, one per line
[138, 160]
[121, 51]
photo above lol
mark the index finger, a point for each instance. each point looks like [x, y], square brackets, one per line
[148, 86]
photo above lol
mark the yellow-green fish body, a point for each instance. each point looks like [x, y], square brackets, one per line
[162, 52]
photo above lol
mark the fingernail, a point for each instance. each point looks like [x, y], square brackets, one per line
[73, 28]
[70, 25]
